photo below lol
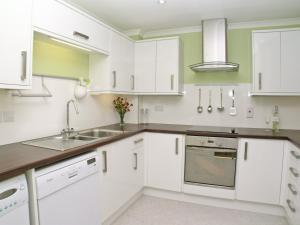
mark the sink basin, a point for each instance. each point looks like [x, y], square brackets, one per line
[99, 133]
[82, 138]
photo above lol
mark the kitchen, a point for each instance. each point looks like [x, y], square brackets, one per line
[212, 100]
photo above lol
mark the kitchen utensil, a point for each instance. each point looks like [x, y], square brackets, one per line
[232, 110]
[199, 108]
[209, 108]
[221, 107]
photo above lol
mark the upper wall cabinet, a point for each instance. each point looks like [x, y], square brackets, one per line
[62, 21]
[113, 73]
[121, 63]
[16, 44]
[275, 62]
[158, 66]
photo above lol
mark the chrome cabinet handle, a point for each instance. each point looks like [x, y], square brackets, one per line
[292, 189]
[259, 81]
[84, 36]
[104, 154]
[135, 167]
[297, 156]
[24, 65]
[289, 202]
[246, 151]
[172, 82]
[114, 79]
[176, 146]
[132, 82]
[138, 141]
[294, 172]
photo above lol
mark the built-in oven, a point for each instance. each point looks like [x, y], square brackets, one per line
[210, 161]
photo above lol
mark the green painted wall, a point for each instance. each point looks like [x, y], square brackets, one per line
[239, 51]
[50, 58]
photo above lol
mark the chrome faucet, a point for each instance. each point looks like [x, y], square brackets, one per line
[68, 131]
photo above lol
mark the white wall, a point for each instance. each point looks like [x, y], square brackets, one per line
[38, 117]
[182, 110]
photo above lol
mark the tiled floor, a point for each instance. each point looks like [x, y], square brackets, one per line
[155, 211]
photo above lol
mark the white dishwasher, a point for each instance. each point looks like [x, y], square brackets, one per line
[14, 209]
[68, 192]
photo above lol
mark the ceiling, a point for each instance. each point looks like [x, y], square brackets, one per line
[149, 15]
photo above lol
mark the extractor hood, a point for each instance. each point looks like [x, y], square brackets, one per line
[214, 45]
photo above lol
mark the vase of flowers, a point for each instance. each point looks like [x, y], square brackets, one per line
[122, 106]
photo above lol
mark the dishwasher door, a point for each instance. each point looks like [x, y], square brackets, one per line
[70, 195]
[210, 166]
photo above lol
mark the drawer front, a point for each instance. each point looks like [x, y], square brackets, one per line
[70, 24]
[292, 207]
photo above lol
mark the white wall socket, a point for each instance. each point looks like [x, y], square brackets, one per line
[8, 116]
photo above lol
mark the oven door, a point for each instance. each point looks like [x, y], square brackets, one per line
[210, 166]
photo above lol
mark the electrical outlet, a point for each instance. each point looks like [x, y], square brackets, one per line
[250, 112]
[8, 116]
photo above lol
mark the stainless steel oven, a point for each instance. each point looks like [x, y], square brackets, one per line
[210, 161]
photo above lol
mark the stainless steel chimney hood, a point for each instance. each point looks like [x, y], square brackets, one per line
[214, 45]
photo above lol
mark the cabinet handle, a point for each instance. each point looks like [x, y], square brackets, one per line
[104, 154]
[138, 141]
[295, 155]
[114, 79]
[292, 189]
[24, 65]
[246, 151]
[172, 82]
[289, 202]
[132, 82]
[135, 167]
[259, 81]
[176, 146]
[84, 36]
[294, 172]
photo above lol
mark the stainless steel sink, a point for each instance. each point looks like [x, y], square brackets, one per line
[100, 133]
[61, 143]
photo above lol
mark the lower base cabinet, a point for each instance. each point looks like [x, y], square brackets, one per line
[259, 170]
[164, 161]
[122, 173]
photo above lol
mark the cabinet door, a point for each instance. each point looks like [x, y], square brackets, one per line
[266, 62]
[70, 25]
[16, 44]
[290, 66]
[122, 63]
[145, 64]
[167, 68]
[259, 170]
[164, 157]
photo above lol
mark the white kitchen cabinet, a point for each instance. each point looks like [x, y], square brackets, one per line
[167, 66]
[60, 20]
[16, 44]
[290, 66]
[158, 66]
[164, 161]
[266, 62]
[122, 173]
[291, 184]
[145, 66]
[275, 65]
[259, 170]
[121, 63]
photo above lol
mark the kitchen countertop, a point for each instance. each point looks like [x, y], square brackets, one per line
[17, 158]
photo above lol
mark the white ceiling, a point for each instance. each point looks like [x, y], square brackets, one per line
[148, 15]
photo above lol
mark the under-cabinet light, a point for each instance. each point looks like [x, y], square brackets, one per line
[69, 44]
